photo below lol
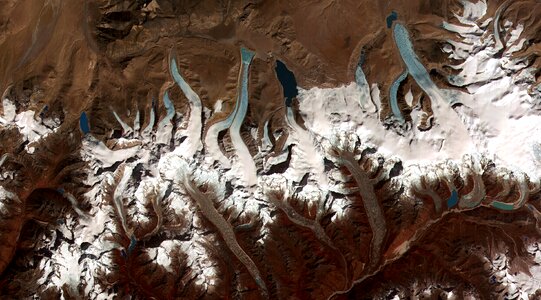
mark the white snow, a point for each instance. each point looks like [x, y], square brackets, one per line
[193, 131]
[212, 146]
[67, 266]
[5, 195]
[3, 159]
[31, 129]
[198, 259]
[497, 120]
[305, 157]
[125, 127]
[473, 11]
[9, 111]
[499, 113]
[148, 130]
[98, 151]
[137, 123]
[328, 112]
[498, 116]
[266, 143]
[529, 284]
[218, 105]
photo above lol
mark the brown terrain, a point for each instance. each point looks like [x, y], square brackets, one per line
[116, 51]
[90, 56]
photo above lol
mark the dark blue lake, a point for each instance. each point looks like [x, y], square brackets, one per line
[44, 110]
[287, 80]
[133, 242]
[453, 200]
[391, 18]
[83, 123]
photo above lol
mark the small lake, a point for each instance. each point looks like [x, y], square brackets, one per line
[83, 123]
[502, 205]
[133, 242]
[391, 18]
[44, 111]
[453, 200]
[287, 80]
